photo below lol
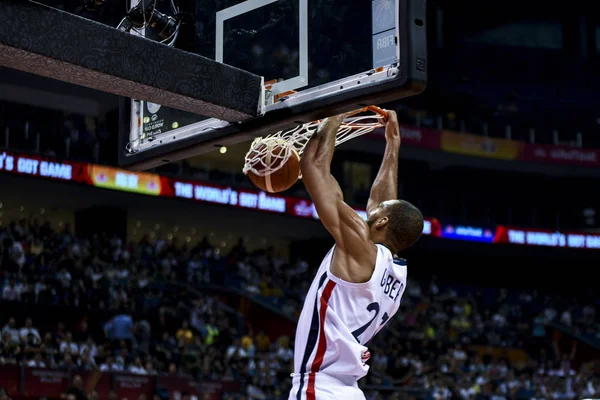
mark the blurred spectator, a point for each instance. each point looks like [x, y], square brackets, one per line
[184, 334]
[11, 292]
[68, 346]
[120, 327]
[76, 391]
[262, 341]
[10, 328]
[28, 329]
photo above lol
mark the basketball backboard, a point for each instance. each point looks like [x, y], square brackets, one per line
[317, 58]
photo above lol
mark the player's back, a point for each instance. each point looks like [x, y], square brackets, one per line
[339, 318]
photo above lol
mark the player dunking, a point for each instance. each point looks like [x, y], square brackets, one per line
[360, 282]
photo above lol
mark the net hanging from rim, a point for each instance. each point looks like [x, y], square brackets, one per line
[262, 160]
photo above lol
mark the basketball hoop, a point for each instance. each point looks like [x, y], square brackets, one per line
[262, 161]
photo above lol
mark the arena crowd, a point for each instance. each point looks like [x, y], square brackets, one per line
[139, 327]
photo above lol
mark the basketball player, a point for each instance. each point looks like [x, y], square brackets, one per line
[360, 282]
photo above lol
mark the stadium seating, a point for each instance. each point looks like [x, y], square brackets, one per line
[447, 340]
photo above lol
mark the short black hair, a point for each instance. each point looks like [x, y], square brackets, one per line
[405, 224]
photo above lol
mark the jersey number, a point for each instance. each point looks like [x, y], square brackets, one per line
[370, 308]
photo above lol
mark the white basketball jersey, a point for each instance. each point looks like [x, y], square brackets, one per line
[340, 318]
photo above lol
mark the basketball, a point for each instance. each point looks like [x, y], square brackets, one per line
[270, 154]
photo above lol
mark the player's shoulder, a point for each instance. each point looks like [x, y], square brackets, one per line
[401, 262]
[400, 267]
[386, 257]
[384, 253]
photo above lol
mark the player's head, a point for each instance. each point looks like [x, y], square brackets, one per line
[396, 223]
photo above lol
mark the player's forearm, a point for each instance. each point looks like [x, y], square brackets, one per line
[320, 148]
[385, 186]
[316, 163]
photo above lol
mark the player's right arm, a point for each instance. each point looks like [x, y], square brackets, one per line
[385, 186]
[350, 231]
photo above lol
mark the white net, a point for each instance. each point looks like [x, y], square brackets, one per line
[269, 154]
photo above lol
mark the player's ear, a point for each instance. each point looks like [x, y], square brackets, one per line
[381, 223]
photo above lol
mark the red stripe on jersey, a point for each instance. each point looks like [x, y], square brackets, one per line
[322, 344]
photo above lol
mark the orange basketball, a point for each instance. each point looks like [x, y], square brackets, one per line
[269, 154]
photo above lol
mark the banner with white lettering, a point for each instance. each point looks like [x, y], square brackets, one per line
[41, 382]
[202, 192]
[32, 383]
[176, 387]
[131, 386]
[35, 166]
[547, 238]
[469, 233]
[155, 185]
[561, 155]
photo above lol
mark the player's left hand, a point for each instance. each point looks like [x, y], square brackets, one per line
[392, 117]
[392, 129]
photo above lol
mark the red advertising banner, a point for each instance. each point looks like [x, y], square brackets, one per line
[176, 387]
[51, 383]
[39, 382]
[131, 386]
[561, 155]
[547, 238]
[207, 390]
[475, 145]
[156, 185]
[43, 167]
[97, 381]
[9, 379]
[215, 389]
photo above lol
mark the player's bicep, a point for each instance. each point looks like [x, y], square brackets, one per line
[354, 230]
[348, 229]
[371, 205]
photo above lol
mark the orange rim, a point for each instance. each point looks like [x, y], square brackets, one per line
[379, 111]
[373, 109]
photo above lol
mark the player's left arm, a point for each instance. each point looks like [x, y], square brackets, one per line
[343, 223]
[385, 186]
